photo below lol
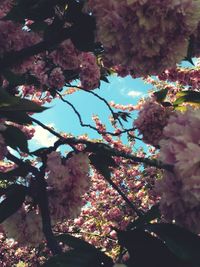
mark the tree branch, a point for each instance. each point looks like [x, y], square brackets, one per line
[131, 205]
[92, 147]
[102, 99]
[46, 220]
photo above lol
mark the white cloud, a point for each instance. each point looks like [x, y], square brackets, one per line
[134, 93]
[42, 137]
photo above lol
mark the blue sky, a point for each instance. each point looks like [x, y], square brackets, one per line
[61, 116]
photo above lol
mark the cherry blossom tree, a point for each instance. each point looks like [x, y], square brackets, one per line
[100, 202]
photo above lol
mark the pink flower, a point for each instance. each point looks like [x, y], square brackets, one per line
[139, 35]
[180, 191]
[67, 183]
[25, 227]
[152, 118]
[89, 71]
[56, 79]
[66, 56]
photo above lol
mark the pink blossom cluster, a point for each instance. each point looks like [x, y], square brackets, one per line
[89, 71]
[67, 183]
[33, 94]
[118, 144]
[152, 118]
[56, 78]
[50, 69]
[129, 107]
[184, 76]
[13, 255]
[14, 38]
[144, 37]
[51, 76]
[180, 190]
[24, 226]
[66, 56]
[5, 6]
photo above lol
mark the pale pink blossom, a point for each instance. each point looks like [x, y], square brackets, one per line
[152, 118]
[67, 182]
[180, 191]
[56, 78]
[145, 37]
[66, 56]
[89, 71]
[25, 227]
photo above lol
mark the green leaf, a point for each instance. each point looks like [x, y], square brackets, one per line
[13, 174]
[6, 99]
[75, 242]
[19, 117]
[16, 79]
[190, 51]
[14, 103]
[147, 250]
[15, 196]
[38, 26]
[73, 258]
[192, 97]
[15, 138]
[105, 79]
[28, 106]
[166, 104]
[150, 215]
[161, 95]
[184, 244]
[83, 246]
[23, 105]
[123, 115]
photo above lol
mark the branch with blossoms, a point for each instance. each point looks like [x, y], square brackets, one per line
[119, 132]
[92, 147]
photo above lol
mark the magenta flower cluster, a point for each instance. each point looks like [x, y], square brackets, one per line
[152, 118]
[67, 183]
[180, 191]
[145, 37]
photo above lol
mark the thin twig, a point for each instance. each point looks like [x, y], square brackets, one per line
[102, 99]
[90, 126]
